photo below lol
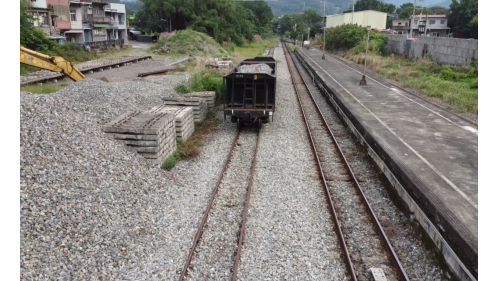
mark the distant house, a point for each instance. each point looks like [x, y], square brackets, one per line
[401, 26]
[430, 25]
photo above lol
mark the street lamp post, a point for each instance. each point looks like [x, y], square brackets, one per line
[324, 30]
[363, 79]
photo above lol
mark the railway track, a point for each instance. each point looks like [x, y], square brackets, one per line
[366, 249]
[214, 254]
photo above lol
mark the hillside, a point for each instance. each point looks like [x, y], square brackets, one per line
[282, 7]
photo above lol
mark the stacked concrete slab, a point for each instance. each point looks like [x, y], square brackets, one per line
[152, 135]
[208, 96]
[199, 105]
[184, 119]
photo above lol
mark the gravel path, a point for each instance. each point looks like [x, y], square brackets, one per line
[214, 255]
[418, 262]
[289, 232]
[91, 208]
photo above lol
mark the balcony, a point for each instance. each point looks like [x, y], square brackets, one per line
[96, 1]
[97, 19]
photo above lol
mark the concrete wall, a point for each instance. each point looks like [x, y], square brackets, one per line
[443, 50]
[364, 18]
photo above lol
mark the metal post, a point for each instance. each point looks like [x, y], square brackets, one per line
[324, 30]
[363, 79]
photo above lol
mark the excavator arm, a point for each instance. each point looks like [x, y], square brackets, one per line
[56, 64]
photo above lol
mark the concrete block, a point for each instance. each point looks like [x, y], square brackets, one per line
[54, 80]
[100, 70]
[90, 72]
[109, 68]
[137, 122]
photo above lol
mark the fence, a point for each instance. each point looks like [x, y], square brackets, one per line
[102, 45]
[443, 50]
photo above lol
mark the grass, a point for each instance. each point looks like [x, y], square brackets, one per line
[456, 86]
[45, 88]
[254, 49]
[193, 145]
[203, 81]
[191, 43]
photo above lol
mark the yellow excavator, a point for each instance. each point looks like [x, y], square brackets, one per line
[57, 64]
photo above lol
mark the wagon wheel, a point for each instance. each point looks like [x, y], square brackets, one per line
[239, 123]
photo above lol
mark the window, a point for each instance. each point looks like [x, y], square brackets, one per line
[442, 21]
[415, 21]
[399, 23]
[72, 14]
[432, 22]
[62, 12]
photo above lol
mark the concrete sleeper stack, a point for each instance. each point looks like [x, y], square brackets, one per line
[152, 135]
[184, 119]
[199, 105]
[208, 96]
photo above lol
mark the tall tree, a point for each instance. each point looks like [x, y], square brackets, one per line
[438, 10]
[460, 14]
[405, 11]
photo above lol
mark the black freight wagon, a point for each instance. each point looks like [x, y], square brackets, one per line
[250, 97]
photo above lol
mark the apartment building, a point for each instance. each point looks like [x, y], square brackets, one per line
[431, 25]
[117, 28]
[80, 21]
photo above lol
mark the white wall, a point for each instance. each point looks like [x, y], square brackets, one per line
[364, 18]
[40, 4]
[78, 23]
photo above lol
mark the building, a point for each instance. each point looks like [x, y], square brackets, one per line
[431, 25]
[95, 22]
[60, 16]
[117, 28]
[42, 16]
[375, 19]
[77, 32]
[401, 26]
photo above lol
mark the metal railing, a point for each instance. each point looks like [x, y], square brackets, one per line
[96, 1]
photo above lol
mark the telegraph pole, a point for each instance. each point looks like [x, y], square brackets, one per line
[324, 29]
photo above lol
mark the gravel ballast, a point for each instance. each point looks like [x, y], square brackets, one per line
[214, 255]
[289, 232]
[418, 262]
[93, 209]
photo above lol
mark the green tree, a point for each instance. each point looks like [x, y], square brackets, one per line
[438, 10]
[405, 11]
[460, 15]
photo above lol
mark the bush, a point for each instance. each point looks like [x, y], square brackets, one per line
[448, 74]
[203, 81]
[377, 44]
[344, 37]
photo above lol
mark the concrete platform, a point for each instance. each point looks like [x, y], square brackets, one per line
[429, 155]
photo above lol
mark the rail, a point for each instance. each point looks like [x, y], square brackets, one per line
[386, 243]
[209, 207]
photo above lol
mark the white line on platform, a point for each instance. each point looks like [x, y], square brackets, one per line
[399, 93]
[400, 139]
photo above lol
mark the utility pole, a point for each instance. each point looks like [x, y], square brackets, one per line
[412, 18]
[363, 79]
[308, 29]
[324, 29]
